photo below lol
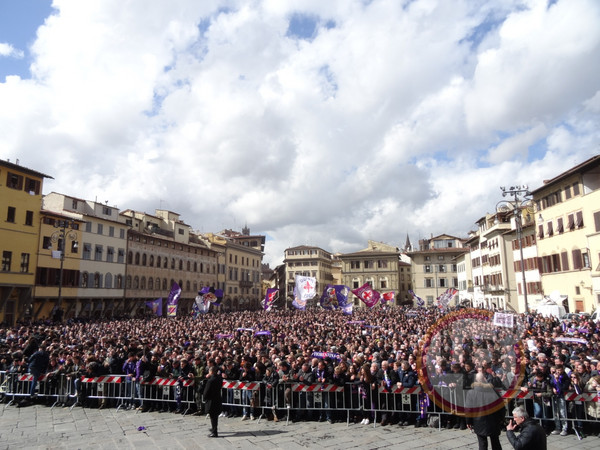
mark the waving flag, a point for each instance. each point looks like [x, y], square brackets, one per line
[200, 306]
[420, 301]
[388, 296]
[305, 289]
[270, 297]
[329, 299]
[347, 309]
[156, 306]
[173, 299]
[366, 293]
[298, 303]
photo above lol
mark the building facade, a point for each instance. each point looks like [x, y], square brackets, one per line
[568, 235]
[307, 261]
[434, 267]
[378, 265]
[57, 277]
[102, 247]
[20, 204]
[163, 250]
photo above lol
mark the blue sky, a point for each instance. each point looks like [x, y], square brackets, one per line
[321, 123]
[19, 21]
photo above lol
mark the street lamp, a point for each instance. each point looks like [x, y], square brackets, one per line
[521, 198]
[65, 231]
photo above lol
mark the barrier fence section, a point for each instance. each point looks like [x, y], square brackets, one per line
[297, 401]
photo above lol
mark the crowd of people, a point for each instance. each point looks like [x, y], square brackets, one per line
[372, 348]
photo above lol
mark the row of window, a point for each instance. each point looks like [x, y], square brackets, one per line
[528, 241]
[532, 288]
[245, 261]
[369, 264]
[574, 220]
[163, 262]
[441, 268]
[556, 197]
[560, 262]
[7, 258]
[18, 182]
[441, 282]
[11, 216]
[100, 229]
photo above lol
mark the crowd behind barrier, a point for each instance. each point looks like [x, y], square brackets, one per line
[309, 365]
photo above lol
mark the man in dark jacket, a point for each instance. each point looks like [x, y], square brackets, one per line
[38, 363]
[532, 436]
[484, 419]
[212, 398]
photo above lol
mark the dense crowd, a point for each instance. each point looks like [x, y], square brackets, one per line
[371, 348]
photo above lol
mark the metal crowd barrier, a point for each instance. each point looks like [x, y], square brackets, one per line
[293, 401]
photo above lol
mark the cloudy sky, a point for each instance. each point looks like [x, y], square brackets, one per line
[313, 122]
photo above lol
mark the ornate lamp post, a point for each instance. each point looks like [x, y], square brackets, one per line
[66, 230]
[521, 198]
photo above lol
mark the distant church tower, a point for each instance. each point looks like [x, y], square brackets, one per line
[246, 230]
[407, 245]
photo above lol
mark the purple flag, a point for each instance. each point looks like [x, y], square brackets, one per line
[173, 299]
[366, 293]
[270, 297]
[156, 306]
[420, 301]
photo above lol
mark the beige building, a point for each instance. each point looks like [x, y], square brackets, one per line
[58, 251]
[378, 265]
[434, 267]
[568, 235]
[242, 255]
[307, 261]
[162, 250]
[20, 204]
[102, 245]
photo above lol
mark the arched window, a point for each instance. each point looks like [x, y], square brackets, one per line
[172, 263]
[195, 286]
[108, 281]
[119, 282]
[180, 284]
[201, 267]
[150, 283]
[158, 262]
[129, 257]
[187, 285]
[128, 281]
[143, 283]
[189, 266]
[157, 284]
[137, 259]
[151, 261]
[195, 266]
[164, 284]
[180, 264]
[136, 282]
[144, 259]
[85, 279]
[97, 280]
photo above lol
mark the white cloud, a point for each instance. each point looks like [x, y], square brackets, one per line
[9, 51]
[392, 118]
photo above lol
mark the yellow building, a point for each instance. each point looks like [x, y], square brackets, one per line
[568, 235]
[20, 204]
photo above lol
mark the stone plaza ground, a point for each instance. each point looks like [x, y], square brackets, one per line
[42, 427]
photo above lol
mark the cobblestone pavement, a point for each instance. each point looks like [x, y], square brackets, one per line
[41, 427]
